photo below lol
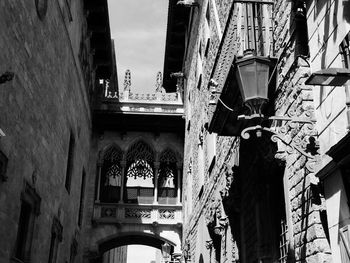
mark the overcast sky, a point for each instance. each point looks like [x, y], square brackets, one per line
[140, 254]
[138, 28]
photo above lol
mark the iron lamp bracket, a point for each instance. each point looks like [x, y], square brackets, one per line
[276, 134]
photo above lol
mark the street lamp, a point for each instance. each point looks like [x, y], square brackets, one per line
[187, 252]
[166, 251]
[252, 73]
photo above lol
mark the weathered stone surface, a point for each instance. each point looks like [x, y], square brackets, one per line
[45, 101]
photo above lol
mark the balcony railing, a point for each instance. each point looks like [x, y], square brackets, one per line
[135, 213]
[140, 195]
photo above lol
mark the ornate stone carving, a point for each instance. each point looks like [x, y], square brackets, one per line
[137, 213]
[201, 136]
[159, 82]
[229, 174]
[108, 212]
[209, 244]
[213, 210]
[127, 80]
[166, 214]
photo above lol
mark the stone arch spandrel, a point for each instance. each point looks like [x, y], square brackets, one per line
[168, 154]
[105, 237]
[173, 146]
[109, 147]
[132, 238]
[140, 149]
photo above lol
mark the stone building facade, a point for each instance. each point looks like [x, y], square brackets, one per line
[261, 199]
[48, 73]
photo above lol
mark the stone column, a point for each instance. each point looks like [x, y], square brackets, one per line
[178, 193]
[122, 165]
[99, 169]
[156, 169]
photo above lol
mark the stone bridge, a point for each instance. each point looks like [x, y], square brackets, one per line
[138, 155]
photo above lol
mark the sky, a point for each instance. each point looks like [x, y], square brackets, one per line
[140, 254]
[138, 28]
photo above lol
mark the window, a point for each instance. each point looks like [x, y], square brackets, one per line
[111, 175]
[345, 54]
[140, 173]
[211, 150]
[199, 84]
[3, 166]
[56, 237]
[167, 177]
[201, 163]
[82, 195]
[301, 31]
[70, 160]
[344, 49]
[283, 245]
[344, 244]
[207, 31]
[30, 205]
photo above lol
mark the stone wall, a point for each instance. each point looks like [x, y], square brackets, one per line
[295, 99]
[207, 173]
[326, 33]
[45, 101]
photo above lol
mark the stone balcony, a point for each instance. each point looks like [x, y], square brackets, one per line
[146, 214]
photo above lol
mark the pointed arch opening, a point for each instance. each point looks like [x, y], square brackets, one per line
[111, 175]
[168, 182]
[140, 173]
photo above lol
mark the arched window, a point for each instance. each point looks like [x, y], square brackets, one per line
[167, 177]
[139, 173]
[111, 175]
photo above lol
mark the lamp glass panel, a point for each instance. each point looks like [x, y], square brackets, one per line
[248, 81]
[262, 80]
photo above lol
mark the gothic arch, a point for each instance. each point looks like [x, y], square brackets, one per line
[111, 174]
[168, 155]
[139, 178]
[140, 150]
[106, 148]
[174, 149]
[168, 182]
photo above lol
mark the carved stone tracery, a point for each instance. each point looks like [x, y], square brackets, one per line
[137, 213]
